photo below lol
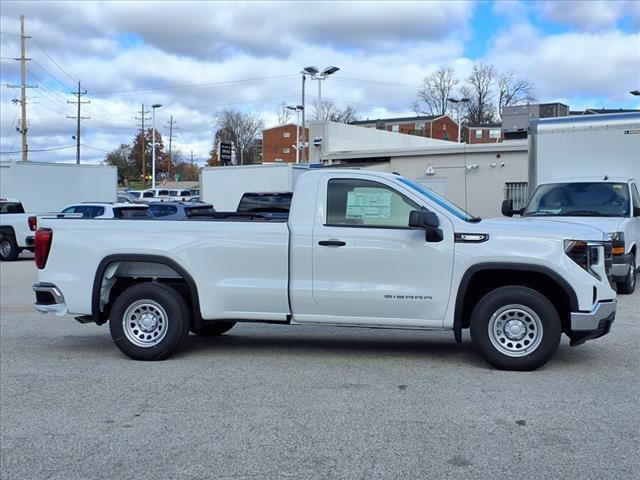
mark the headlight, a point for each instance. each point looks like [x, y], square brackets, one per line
[585, 254]
[617, 238]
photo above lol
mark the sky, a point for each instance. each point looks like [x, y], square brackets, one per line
[196, 58]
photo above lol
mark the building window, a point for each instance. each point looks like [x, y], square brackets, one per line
[479, 134]
[518, 192]
[285, 150]
[395, 128]
[286, 134]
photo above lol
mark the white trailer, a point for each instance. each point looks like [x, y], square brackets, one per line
[224, 186]
[49, 187]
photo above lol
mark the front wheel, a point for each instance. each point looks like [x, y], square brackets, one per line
[149, 321]
[9, 249]
[515, 328]
[629, 284]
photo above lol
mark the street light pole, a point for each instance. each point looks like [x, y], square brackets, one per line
[457, 102]
[297, 109]
[153, 143]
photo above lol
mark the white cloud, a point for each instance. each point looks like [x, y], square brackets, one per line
[591, 15]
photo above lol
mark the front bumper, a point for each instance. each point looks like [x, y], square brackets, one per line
[594, 324]
[49, 299]
[620, 267]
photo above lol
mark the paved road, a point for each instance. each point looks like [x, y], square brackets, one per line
[267, 402]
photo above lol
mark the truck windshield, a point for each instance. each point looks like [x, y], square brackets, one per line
[440, 201]
[581, 199]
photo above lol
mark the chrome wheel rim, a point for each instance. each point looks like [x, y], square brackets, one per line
[5, 248]
[632, 275]
[145, 323]
[515, 330]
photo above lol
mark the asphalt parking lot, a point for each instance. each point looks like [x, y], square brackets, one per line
[269, 401]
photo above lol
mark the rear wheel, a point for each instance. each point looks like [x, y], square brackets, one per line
[9, 249]
[214, 329]
[515, 328]
[629, 284]
[149, 321]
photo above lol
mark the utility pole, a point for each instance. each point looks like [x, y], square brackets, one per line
[23, 91]
[142, 119]
[78, 118]
[192, 158]
[171, 124]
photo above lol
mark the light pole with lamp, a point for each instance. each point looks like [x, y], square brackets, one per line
[297, 109]
[320, 77]
[306, 71]
[153, 143]
[457, 102]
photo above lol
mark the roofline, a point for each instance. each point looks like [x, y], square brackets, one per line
[430, 118]
[280, 126]
[510, 146]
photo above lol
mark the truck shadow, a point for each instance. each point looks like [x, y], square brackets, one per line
[343, 345]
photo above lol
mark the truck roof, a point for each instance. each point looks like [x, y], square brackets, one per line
[582, 121]
[589, 179]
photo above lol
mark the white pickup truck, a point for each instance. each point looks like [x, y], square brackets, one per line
[16, 227]
[359, 249]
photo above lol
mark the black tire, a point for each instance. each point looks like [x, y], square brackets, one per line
[214, 329]
[533, 323]
[167, 313]
[9, 249]
[629, 285]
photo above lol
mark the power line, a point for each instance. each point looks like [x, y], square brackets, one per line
[54, 62]
[197, 85]
[51, 75]
[40, 150]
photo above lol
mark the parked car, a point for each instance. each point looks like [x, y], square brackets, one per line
[109, 210]
[178, 210]
[16, 232]
[359, 248]
[125, 198]
[141, 195]
[179, 194]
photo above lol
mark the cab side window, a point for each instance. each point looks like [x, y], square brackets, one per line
[354, 202]
[635, 195]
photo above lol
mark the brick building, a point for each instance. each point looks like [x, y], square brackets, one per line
[488, 133]
[440, 127]
[279, 143]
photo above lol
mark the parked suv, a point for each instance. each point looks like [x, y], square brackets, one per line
[177, 210]
[109, 210]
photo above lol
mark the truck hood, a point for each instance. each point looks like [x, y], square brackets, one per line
[606, 224]
[526, 227]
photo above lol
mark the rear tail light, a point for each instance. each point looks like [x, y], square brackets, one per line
[33, 223]
[42, 246]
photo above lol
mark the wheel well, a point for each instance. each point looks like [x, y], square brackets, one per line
[117, 274]
[482, 282]
[7, 230]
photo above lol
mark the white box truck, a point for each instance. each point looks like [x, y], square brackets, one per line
[224, 186]
[30, 188]
[586, 169]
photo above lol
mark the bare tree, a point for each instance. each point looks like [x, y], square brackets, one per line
[513, 90]
[329, 111]
[479, 90]
[436, 88]
[242, 128]
[284, 114]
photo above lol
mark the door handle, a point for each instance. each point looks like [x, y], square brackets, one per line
[332, 243]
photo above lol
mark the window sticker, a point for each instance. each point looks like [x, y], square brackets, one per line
[368, 203]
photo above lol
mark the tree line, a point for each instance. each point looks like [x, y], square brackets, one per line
[487, 89]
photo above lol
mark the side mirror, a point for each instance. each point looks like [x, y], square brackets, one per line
[428, 221]
[507, 208]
